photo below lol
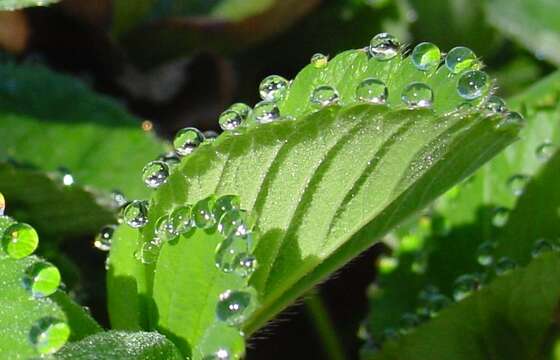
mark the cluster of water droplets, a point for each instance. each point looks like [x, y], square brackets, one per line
[40, 280]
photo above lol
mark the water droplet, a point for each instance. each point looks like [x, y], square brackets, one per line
[235, 306]
[135, 214]
[372, 91]
[2, 204]
[545, 151]
[485, 253]
[226, 203]
[266, 112]
[512, 120]
[103, 239]
[148, 252]
[242, 109]
[164, 229]
[221, 342]
[465, 285]
[181, 219]
[229, 120]
[384, 46]
[155, 173]
[426, 56]
[324, 95]
[42, 279]
[517, 184]
[460, 59]
[171, 159]
[231, 252]
[20, 240]
[48, 335]
[505, 265]
[65, 176]
[319, 60]
[418, 95]
[541, 247]
[203, 215]
[233, 222]
[496, 105]
[473, 84]
[118, 198]
[408, 323]
[273, 88]
[187, 140]
[247, 265]
[501, 215]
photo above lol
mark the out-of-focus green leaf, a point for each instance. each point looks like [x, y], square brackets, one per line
[18, 4]
[534, 24]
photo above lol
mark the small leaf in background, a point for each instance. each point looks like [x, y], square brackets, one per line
[18, 4]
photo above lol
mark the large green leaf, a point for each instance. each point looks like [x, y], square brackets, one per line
[438, 249]
[18, 4]
[121, 345]
[19, 311]
[323, 187]
[509, 319]
[532, 23]
[71, 127]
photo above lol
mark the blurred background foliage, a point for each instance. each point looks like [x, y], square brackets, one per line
[180, 63]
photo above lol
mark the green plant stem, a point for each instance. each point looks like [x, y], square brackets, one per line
[319, 316]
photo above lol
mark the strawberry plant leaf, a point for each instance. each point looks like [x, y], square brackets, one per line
[323, 185]
[121, 345]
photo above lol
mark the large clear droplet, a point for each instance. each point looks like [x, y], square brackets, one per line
[511, 121]
[418, 95]
[20, 240]
[266, 112]
[501, 216]
[231, 252]
[187, 140]
[319, 60]
[473, 84]
[324, 95]
[41, 279]
[221, 342]
[384, 46]
[496, 105]
[426, 56]
[203, 213]
[230, 120]
[135, 214]
[242, 109]
[247, 265]
[148, 252]
[485, 253]
[233, 222]
[48, 335]
[235, 306]
[181, 219]
[465, 285]
[541, 247]
[273, 88]
[545, 151]
[460, 59]
[165, 231]
[155, 173]
[226, 203]
[517, 184]
[103, 239]
[372, 91]
[505, 265]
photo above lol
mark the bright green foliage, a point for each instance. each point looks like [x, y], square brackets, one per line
[19, 311]
[532, 23]
[507, 320]
[121, 345]
[323, 187]
[18, 4]
[71, 127]
[437, 251]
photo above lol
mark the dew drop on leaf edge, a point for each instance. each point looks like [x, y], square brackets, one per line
[384, 46]
[20, 240]
[48, 335]
[426, 56]
[42, 279]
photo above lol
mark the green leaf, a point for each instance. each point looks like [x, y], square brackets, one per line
[51, 207]
[71, 127]
[121, 345]
[509, 319]
[532, 23]
[323, 187]
[19, 311]
[439, 248]
[18, 4]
